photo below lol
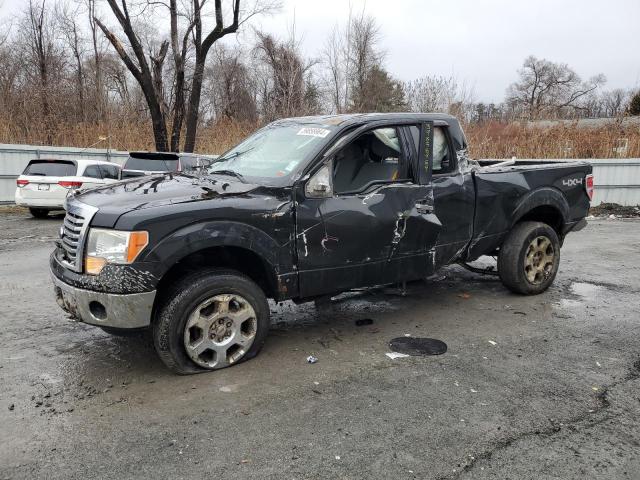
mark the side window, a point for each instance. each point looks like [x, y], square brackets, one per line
[110, 171]
[187, 163]
[375, 156]
[92, 171]
[442, 156]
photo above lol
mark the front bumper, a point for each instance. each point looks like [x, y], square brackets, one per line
[105, 309]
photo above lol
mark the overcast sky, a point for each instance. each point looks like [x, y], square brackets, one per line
[481, 41]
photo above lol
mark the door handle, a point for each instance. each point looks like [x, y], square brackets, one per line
[424, 208]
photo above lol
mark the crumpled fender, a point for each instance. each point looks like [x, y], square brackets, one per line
[199, 236]
[541, 197]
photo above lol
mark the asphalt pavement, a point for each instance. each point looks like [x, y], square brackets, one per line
[542, 387]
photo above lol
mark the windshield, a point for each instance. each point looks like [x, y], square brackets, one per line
[151, 164]
[51, 168]
[274, 151]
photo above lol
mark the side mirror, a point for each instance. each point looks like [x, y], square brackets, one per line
[320, 185]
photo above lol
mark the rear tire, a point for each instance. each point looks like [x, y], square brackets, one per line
[210, 320]
[529, 258]
[39, 212]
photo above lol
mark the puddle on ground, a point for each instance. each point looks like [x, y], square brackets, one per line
[585, 289]
[417, 346]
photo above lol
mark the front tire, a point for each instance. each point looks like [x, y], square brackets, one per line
[210, 320]
[39, 212]
[529, 258]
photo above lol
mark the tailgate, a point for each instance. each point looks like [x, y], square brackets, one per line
[43, 188]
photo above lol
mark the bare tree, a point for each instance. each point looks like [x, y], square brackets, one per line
[546, 87]
[100, 100]
[284, 90]
[335, 67]
[41, 45]
[364, 55]
[140, 68]
[230, 86]
[71, 32]
[198, 37]
[202, 43]
[615, 102]
[353, 64]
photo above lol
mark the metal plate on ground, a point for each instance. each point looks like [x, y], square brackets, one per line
[417, 346]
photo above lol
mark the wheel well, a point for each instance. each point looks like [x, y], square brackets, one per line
[545, 214]
[236, 258]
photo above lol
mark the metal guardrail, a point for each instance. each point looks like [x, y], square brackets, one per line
[616, 180]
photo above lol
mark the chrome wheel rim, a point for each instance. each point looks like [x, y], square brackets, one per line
[220, 331]
[539, 260]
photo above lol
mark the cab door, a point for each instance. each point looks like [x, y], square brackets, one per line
[364, 216]
[454, 196]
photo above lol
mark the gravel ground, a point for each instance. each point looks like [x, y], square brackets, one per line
[530, 387]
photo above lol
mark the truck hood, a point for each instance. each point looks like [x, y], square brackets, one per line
[160, 190]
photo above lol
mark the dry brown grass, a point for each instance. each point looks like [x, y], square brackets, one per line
[125, 135]
[488, 140]
[501, 140]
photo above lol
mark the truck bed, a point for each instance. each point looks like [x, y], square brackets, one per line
[504, 193]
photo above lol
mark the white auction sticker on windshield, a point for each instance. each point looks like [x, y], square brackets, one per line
[314, 132]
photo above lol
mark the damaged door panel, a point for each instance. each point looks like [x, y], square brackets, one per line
[453, 192]
[366, 239]
[383, 233]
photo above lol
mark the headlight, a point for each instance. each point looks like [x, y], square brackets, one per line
[112, 246]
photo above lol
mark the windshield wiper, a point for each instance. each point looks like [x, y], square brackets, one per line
[229, 172]
[232, 155]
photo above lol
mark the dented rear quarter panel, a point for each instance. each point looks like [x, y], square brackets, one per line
[505, 195]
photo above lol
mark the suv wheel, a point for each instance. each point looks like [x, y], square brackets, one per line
[529, 258]
[211, 320]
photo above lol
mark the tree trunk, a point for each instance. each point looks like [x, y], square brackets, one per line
[157, 122]
[194, 104]
[178, 112]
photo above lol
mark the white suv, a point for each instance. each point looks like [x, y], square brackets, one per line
[44, 184]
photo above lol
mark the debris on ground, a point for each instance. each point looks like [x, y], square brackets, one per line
[363, 322]
[11, 407]
[394, 355]
[492, 342]
[417, 346]
[614, 210]
[466, 296]
[311, 359]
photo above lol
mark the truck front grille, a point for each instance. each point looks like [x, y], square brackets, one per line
[73, 232]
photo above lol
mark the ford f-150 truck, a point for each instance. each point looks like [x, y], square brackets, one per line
[303, 209]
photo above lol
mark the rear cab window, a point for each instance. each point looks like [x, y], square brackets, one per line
[110, 171]
[151, 164]
[51, 168]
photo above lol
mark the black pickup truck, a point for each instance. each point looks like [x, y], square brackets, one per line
[303, 209]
